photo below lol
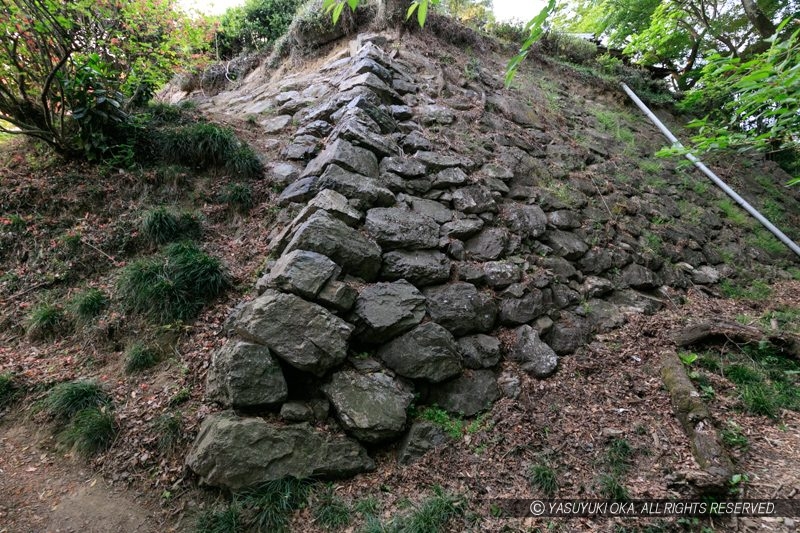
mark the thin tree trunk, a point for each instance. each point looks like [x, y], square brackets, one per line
[758, 19]
[393, 12]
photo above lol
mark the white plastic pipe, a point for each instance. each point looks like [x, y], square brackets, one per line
[721, 184]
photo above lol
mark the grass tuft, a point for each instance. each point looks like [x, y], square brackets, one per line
[140, 357]
[434, 513]
[90, 431]
[47, 321]
[238, 196]
[330, 511]
[612, 489]
[453, 426]
[89, 304]
[227, 520]
[743, 374]
[9, 390]
[168, 427]
[543, 477]
[274, 502]
[66, 399]
[619, 455]
[759, 399]
[174, 285]
[161, 225]
[205, 145]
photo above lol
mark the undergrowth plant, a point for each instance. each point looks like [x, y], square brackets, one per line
[543, 478]
[162, 225]
[89, 304]
[330, 510]
[174, 285]
[203, 145]
[140, 356]
[47, 321]
[66, 399]
[9, 389]
[90, 431]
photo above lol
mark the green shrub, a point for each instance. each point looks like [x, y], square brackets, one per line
[140, 357]
[66, 399]
[570, 47]
[47, 321]
[255, 25]
[89, 304]
[161, 225]
[91, 430]
[204, 146]
[330, 511]
[174, 285]
[543, 477]
[238, 195]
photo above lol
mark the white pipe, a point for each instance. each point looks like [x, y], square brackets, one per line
[721, 184]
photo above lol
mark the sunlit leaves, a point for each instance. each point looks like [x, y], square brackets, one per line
[535, 28]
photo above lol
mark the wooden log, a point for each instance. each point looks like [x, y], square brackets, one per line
[720, 331]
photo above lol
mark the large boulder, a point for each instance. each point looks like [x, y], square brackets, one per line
[461, 308]
[474, 199]
[236, 453]
[533, 354]
[301, 272]
[344, 154]
[479, 351]
[367, 191]
[245, 375]
[488, 245]
[429, 352]
[385, 310]
[468, 394]
[305, 335]
[397, 228]
[371, 407]
[420, 267]
[351, 250]
[526, 220]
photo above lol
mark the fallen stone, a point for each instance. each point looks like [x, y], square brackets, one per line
[460, 308]
[429, 352]
[301, 333]
[385, 310]
[468, 394]
[510, 385]
[348, 248]
[420, 267]
[479, 351]
[245, 375]
[236, 453]
[371, 407]
[423, 437]
[397, 228]
[705, 275]
[532, 353]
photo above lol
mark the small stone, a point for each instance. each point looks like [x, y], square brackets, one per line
[533, 354]
[510, 385]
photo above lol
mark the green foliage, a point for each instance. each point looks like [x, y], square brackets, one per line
[46, 321]
[759, 399]
[453, 426]
[433, 514]
[619, 455]
[733, 436]
[758, 290]
[204, 146]
[66, 399]
[162, 225]
[687, 358]
[733, 212]
[238, 196]
[253, 26]
[765, 240]
[182, 396]
[272, 503]
[543, 478]
[743, 374]
[89, 304]
[140, 357]
[535, 28]
[225, 520]
[573, 49]
[174, 285]
[330, 511]
[90, 431]
[612, 489]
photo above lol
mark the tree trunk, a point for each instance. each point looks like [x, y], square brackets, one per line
[758, 19]
[392, 13]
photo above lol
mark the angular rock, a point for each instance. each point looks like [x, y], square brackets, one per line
[301, 333]
[371, 407]
[435, 114]
[595, 286]
[373, 83]
[479, 351]
[402, 166]
[449, 177]
[533, 354]
[338, 295]
[297, 412]
[468, 394]
[245, 375]
[568, 334]
[355, 186]
[566, 244]
[440, 161]
[501, 274]
[428, 352]
[347, 156]
[236, 453]
[488, 245]
[336, 206]
[564, 219]
[299, 191]
[462, 228]
[423, 437]
[347, 247]
[510, 385]
[301, 272]
[461, 308]
[496, 171]
[420, 267]
[604, 316]
[276, 124]
[639, 277]
[563, 270]
[283, 173]
[416, 142]
[516, 311]
[316, 128]
[303, 147]
[430, 208]
[385, 310]
[475, 199]
[396, 228]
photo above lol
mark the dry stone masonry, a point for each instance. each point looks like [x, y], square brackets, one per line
[405, 266]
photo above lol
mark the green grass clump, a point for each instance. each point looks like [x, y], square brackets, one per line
[238, 196]
[433, 514]
[543, 477]
[66, 399]
[273, 503]
[182, 396]
[47, 321]
[733, 436]
[743, 374]
[89, 304]
[612, 489]
[758, 290]
[140, 357]
[204, 146]
[759, 399]
[766, 241]
[168, 427]
[161, 225]
[90, 431]
[226, 520]
[8, 389]
[453, 426]
[619, 455]
[733, 212]
[330, 511]
[174, 285]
